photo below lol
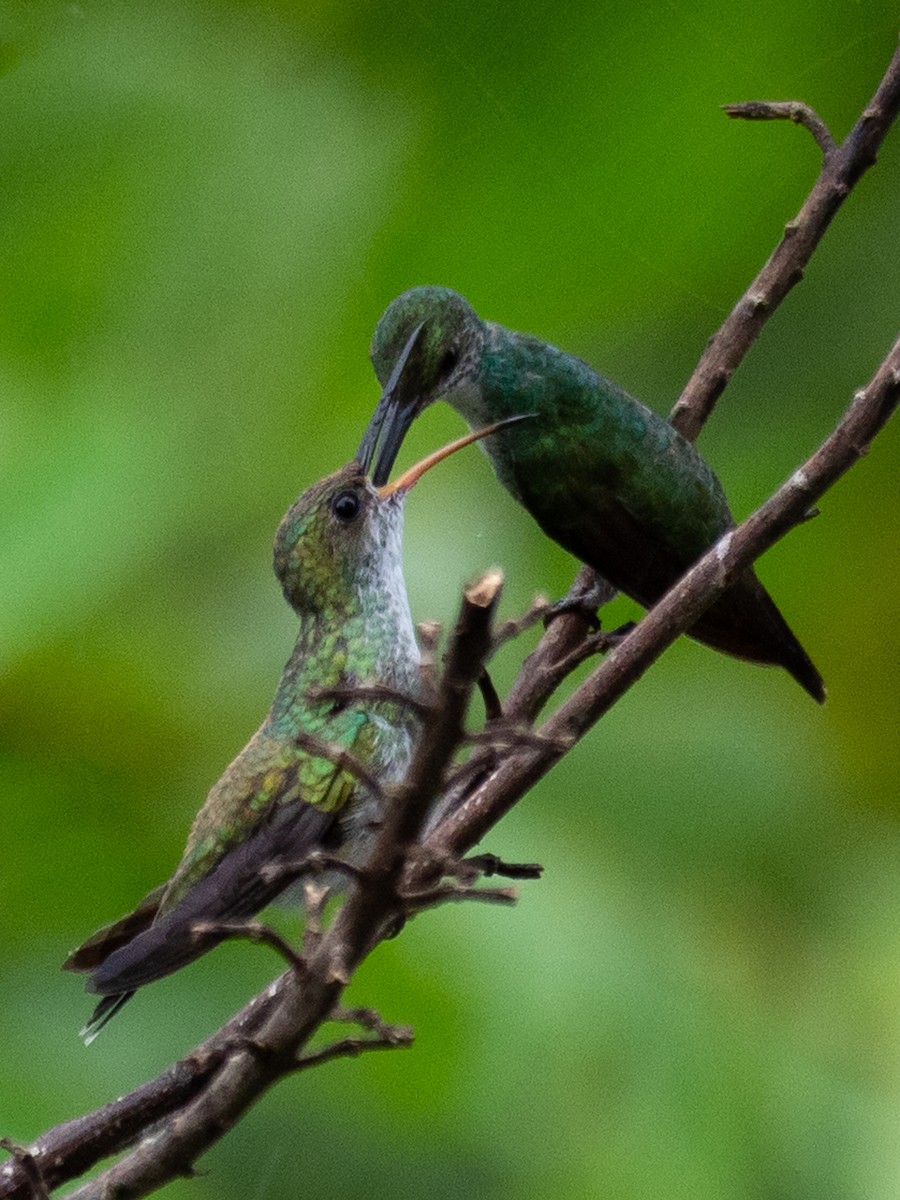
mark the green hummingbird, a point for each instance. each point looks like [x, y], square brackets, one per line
[602, 474]
[338, 559]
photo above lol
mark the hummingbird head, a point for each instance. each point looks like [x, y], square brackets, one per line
[342, 537]
[428, 343]
[333, 536]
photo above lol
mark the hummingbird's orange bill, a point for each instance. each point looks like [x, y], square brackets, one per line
[413, 474]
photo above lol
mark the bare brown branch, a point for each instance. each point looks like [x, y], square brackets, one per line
[73, 1147]
[842, 168]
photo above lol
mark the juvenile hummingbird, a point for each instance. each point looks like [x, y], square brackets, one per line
[602, 474]
[338, 559]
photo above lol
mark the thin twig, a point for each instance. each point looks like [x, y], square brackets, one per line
[505, 735]
[222, 1080]
[454, 893]
[401, 1039]
[786, 110]
[598, 642]
[71, 1148]
[341, 757]
[515, 626]
[282, 1019]
[316, 863]
[366, 1018]
[842, 168]
[371, 692]
[251, 931]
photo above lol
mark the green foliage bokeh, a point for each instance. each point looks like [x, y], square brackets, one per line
[204, 207]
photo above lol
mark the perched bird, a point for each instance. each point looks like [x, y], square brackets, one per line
[338, 559]
[602, 474]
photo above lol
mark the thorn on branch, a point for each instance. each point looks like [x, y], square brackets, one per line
[786, 110]
[251, 931]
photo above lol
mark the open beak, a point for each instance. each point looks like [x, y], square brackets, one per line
[393, 414]
[412, 476]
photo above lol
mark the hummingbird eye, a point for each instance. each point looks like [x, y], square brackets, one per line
[346, 506]
[448, 362]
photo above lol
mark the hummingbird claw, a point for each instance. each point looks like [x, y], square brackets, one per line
[587, 594]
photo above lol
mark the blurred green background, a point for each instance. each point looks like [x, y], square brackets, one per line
[205, 207]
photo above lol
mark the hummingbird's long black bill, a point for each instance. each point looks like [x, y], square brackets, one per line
[393, 415]
[413, 474]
